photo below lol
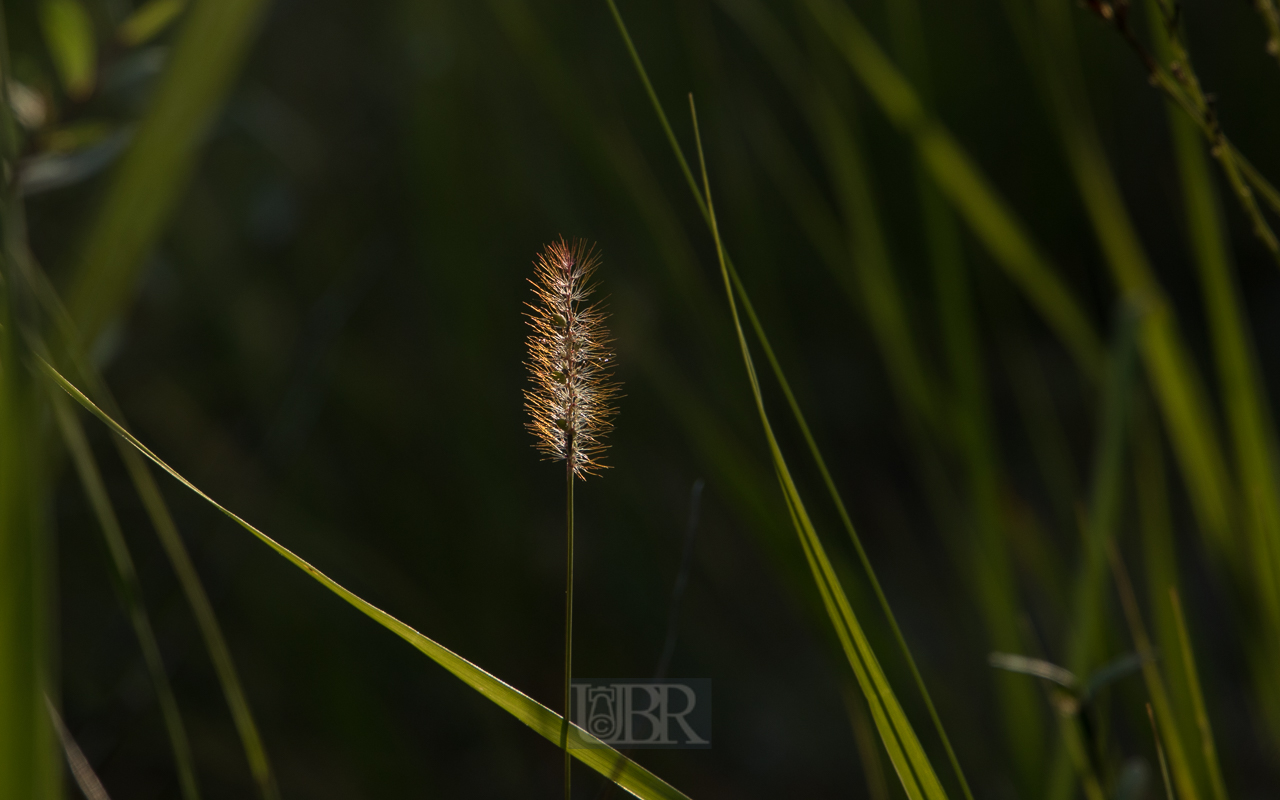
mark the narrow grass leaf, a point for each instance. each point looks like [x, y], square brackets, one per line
[594, 753]
[1197, 697]
[1164, 765]
[149, 21]
[758, 329]
[67, 345]
[1183, 774]
[129, 589]
[204, 59]
[864, 267]
[81, 770]
[1249, 419]
[914, 770]
[68, 33]
[977, 202]
[1088, 605]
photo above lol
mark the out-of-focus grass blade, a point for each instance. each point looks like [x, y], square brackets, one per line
[1035, 667]
[1197, 698]
[865, 739]
[1088, 617]
[1183, 775]
[1178, 389]
[865, 269]
[1086, 623]
[1159, 556]
[129, 588]
[205, 58]
[593, 752]
[81, 771]
[991, 568]
[29, 763]
[791, 401]
[1164, 765]
[963, 184]
[30, 766]
[1173, 375]
[148, 21]
[908, 757]
[1250, 423]
[68, 33]
[67, 346]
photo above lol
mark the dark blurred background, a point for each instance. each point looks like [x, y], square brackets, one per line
[328, 338]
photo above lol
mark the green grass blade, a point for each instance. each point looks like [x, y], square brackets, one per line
[595, 754]
[1197, 698]
[68, 34]
[69, 348]
[1159, 555]
[148, 21]
[1164, 765]
[1106, 499]
[1088, 619]
[865, 269]
[1177, 386]
[914, 770]
[206, 620]
[81, 771]
[758, 329]
[1247, 408]
[30, 766]
[205, 57]
[129, 588]
[1183, 776]
[1181, 396]
[26, 737]
[959, 179]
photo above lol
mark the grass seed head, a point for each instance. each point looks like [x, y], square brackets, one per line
[571, 404]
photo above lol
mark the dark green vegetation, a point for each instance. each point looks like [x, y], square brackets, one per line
[971, 280]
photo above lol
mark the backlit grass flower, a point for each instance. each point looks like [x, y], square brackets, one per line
[572, 399]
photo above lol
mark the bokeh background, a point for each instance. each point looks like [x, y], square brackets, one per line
[327, 335]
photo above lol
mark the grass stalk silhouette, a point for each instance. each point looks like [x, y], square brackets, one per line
[571, 404]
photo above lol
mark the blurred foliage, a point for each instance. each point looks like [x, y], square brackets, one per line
[295, 237]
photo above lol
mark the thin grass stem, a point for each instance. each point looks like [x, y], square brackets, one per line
[1156, 688]
[734, 284]
[1197, 699]
[1164, 765]
[568, 623]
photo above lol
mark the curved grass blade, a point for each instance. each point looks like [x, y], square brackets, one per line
[68, 346]
[1244, 396]
[908, 757]
[1164, 765]
[1182, 399]
[1088, 616]
[862, 265]
[592, 752]
[206, 55]
[129, 589]
[776, 367]
[1197, 698]
[81, 771]
[955, 173]
[1156, 688]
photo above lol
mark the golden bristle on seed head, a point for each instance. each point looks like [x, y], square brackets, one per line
[573, 392]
